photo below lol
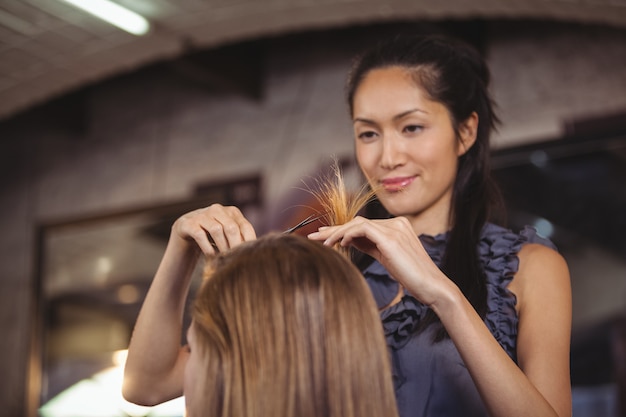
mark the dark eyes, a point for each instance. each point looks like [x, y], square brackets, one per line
[413, 128]
[367, 135]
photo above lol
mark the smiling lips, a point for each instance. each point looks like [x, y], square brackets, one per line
[396, 184]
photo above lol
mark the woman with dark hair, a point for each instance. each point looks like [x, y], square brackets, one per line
[477, 317]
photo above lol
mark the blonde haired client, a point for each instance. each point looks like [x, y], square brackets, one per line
[281, 326]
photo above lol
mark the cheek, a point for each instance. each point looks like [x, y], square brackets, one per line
[368, 172]
[444, 167]
[441, 151]
[366, 158]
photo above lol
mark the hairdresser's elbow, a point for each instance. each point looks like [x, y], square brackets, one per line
[137, 393]
[131, 394]
[149, 391]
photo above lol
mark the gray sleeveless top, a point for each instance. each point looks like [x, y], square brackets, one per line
[430, 378]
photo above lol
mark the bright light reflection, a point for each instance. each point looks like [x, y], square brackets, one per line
[104, 265]
[114, 14]
[101, 396]
[119, 357]
[544, 227]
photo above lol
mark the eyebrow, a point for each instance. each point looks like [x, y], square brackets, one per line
[396, 117]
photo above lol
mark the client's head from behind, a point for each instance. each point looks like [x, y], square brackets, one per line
[284, 326]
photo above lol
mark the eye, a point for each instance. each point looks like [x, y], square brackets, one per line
[367, 136]
[413, 128]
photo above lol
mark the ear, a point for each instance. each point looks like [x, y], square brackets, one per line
[467, 133]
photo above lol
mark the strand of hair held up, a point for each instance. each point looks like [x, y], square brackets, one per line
[340, 204]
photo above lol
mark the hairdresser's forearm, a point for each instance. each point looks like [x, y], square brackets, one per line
[155, 362]
[505, 389]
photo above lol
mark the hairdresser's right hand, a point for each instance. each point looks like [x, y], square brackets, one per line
[215, 228]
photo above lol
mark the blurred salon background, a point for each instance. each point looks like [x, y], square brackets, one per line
[108, 132]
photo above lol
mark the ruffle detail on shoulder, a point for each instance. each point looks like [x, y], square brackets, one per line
[498, 251]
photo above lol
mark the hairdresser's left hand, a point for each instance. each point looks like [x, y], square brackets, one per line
[396, 246]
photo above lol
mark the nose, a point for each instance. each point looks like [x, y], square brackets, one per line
[393, 155]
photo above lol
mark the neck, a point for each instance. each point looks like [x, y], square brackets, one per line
[430, 224]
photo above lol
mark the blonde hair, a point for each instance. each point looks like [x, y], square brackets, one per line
[340, 204]
[288, 327]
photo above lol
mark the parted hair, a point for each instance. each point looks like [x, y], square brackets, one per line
[288, 327]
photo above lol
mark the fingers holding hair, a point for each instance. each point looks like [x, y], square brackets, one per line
[215, 228]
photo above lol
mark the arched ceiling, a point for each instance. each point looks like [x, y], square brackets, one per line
[48, 48]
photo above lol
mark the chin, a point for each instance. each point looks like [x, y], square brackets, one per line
[399, 204]
[399, 210]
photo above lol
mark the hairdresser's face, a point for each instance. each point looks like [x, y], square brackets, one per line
[406, 144]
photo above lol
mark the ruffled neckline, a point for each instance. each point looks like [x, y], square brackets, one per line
[498, 249]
